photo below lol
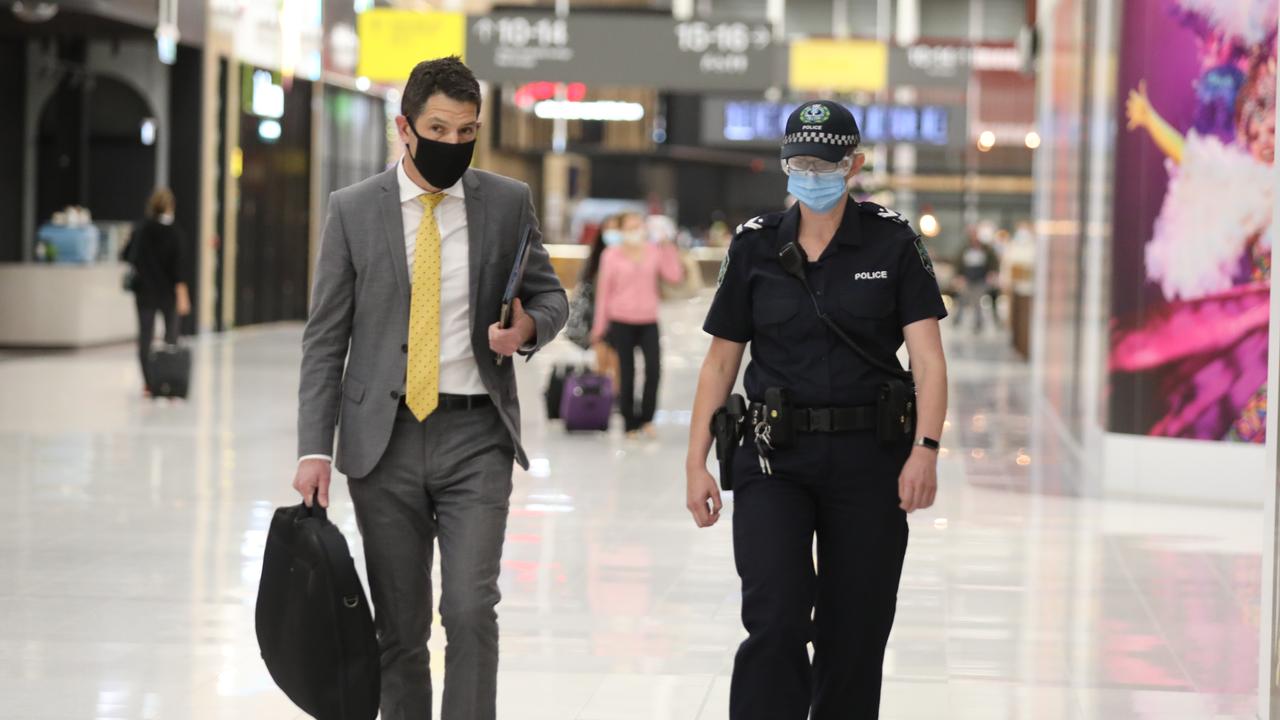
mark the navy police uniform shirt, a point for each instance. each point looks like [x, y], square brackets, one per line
[874, 279]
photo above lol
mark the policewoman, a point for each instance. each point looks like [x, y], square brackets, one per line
[836, 440]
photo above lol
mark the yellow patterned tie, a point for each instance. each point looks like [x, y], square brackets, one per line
[422, 380]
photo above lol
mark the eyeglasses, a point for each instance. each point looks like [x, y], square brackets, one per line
[810, 165]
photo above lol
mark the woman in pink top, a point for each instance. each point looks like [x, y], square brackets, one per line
[627, 313]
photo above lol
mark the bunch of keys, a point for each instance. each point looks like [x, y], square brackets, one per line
[763, 446]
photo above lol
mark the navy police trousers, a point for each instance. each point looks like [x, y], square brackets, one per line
[842, 489]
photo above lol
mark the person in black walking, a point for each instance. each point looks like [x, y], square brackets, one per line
[976, 266]
[155, 252]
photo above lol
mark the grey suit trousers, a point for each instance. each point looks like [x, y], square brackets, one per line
[446, 478]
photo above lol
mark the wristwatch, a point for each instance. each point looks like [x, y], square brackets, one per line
[928, 442]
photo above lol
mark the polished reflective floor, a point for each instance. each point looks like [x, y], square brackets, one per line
[132, 538]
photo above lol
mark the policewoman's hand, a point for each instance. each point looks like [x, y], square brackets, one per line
[704, 497]
[918, 483]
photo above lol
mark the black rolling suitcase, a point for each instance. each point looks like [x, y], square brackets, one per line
[314, 626]
[169, 370]
[555, 388]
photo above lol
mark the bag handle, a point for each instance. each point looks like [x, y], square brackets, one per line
[336, 551]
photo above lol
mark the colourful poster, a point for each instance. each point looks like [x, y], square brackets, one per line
[1192, 222]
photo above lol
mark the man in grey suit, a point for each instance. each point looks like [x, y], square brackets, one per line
[399, 353]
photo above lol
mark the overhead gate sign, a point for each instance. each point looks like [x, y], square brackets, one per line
[623, 49]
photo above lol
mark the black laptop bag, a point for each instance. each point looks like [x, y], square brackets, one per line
[314, 626]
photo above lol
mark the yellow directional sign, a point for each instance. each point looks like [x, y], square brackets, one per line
[840, 65]
[393, 41]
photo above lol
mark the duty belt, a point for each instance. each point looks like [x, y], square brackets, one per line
[826, 420]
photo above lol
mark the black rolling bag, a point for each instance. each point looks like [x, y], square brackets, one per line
[555, 387]
[314, 626]
[169, 370]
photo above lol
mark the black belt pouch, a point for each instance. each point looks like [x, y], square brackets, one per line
[895, 412]
[780, 416]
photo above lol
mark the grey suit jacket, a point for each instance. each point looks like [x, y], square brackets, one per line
[354, 348]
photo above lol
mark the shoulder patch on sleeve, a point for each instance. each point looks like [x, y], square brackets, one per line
[758, 222]
[752, 224]
[920, 250]
[883, 213]
[724, 268]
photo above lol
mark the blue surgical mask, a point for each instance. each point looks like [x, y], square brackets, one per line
[819, 193]
[612, 237]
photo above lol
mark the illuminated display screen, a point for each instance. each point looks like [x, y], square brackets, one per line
[762, 121]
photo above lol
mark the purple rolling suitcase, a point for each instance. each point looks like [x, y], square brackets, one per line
[587, 402]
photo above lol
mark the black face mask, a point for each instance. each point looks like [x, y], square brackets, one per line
[441, 164]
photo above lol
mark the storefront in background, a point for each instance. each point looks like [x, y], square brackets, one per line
[99, 118]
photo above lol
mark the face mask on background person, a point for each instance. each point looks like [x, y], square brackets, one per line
[817, 192]
[612, 237]
[440, 163]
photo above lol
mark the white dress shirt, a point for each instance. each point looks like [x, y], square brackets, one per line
[459, 373]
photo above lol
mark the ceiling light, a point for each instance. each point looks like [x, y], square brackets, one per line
[269, 130]
[147, 133]
[929, 226]
[34, 12]
[603, 110]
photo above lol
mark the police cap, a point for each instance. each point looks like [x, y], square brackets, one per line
[823, 129]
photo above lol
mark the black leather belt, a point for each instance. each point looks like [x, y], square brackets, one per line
[458, 402]
[463, 402]
[828, 420]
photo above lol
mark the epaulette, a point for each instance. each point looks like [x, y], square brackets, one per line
[884, 213]
[758, 222]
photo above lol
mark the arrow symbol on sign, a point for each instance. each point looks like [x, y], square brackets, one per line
[483, 29]
[761, 37]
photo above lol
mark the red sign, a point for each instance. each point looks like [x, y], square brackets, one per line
[530, 93]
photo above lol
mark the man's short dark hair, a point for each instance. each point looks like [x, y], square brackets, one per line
[446, 75]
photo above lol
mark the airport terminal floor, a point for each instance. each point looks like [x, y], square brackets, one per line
[132, 537]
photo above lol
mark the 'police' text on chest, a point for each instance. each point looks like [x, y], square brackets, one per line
[877, 275]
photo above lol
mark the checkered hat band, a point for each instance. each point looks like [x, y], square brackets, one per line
[820, 137]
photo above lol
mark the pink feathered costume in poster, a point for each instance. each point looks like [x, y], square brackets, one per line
[1209, 252]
